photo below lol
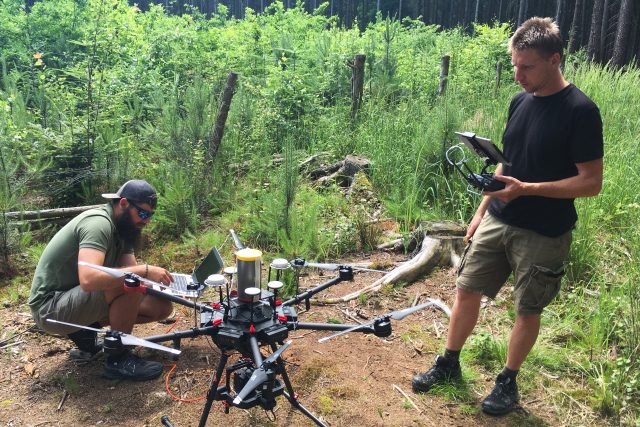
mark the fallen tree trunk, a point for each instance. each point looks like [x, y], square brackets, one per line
[435, 250]
[47, 213]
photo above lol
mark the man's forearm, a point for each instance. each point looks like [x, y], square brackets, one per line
[568, 188]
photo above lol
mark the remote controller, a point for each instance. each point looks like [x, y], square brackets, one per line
[485, 182]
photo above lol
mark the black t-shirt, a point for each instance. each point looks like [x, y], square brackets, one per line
[543, 140]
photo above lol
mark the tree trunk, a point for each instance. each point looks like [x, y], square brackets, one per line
[476, 14]
[604, 32]
[559, 7]
[48, 213]
[624, 23]
[522, 12]
[444, 74]
[574, 33]
[357, 84]
[218, 131]
[593, 48]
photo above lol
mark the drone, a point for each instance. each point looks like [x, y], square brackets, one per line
[247, 318]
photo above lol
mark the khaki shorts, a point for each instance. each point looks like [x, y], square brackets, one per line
[497, 249]
[72, 306]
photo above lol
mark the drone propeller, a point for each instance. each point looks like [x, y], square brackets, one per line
[395, 315]
[113, 272]
[126, 339]
[259, 375]
[333, 267]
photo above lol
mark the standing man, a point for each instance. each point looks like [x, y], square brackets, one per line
[62, 290]
[553, 139]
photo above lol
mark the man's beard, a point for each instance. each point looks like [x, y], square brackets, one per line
[128, 231]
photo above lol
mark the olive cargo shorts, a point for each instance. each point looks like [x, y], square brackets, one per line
[73, 306]
[497, 249]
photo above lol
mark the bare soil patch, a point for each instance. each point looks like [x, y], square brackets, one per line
[348, 381]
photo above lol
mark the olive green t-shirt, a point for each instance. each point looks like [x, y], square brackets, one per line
[57, 269]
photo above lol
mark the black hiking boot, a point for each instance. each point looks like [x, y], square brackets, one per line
[503, 398]
[442, 371]
[87, 342]
[128, 366]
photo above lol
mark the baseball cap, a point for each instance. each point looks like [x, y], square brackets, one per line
[136, 190]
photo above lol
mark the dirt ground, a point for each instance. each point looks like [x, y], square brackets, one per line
[352, 380]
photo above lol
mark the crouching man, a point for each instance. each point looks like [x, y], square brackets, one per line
[62, 290]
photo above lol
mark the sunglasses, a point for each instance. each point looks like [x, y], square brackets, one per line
[142, 213]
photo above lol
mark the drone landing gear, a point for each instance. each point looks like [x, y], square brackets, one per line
[263, 396]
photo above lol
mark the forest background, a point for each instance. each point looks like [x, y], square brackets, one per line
[93, 92]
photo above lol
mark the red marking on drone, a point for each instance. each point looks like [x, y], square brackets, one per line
[139, 289]
[282, 318]
[217, 322]
[278, 302]
[215, 305]
[252, 330]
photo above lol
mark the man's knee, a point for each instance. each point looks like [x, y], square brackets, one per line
[164, 310]
[466, 296]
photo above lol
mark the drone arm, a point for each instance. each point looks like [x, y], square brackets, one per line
[236, 239]
[255, 350]
[177, 299]
[311, 292]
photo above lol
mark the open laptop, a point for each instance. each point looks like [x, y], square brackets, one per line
[211, 264]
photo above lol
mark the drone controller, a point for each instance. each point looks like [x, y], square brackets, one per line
[484, 181]
[485, 149]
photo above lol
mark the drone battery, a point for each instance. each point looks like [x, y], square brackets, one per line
[227, 338]
[275, 333]
[288, 312]
[249, 263]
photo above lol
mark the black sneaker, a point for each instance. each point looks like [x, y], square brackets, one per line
[87, 342]
[503, 398]
[80, 356]
[442, 371]
[131, 367]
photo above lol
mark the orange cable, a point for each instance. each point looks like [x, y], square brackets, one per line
[173, 396]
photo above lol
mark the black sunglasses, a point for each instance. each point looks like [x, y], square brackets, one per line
[142, 213]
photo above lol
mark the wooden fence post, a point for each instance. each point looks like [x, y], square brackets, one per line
[444, 74]
[357, 83]
[218, 130]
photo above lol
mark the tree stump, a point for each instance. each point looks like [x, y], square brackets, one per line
[440, 243]
[342, 172]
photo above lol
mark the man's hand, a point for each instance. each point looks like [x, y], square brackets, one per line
[471, 229]
[513, 189]
[159, 274]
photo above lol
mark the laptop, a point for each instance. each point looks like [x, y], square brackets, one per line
[211, 264]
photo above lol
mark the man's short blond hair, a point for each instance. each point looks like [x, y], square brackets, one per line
[542, 34]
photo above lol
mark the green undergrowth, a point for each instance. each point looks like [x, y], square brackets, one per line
[93, 93]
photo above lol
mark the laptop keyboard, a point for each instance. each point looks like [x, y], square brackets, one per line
[179, 285]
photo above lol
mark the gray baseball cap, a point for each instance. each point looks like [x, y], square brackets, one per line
[136, 190]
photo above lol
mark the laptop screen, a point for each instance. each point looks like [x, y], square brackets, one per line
[211, 264]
